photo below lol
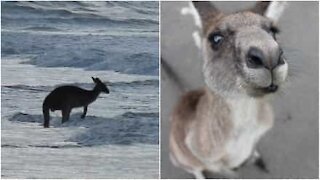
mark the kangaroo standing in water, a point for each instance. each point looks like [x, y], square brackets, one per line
[65, 98]
[216, 128]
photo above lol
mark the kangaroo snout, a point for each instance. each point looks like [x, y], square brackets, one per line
[263, 64]
[266, 68]
[256, 58]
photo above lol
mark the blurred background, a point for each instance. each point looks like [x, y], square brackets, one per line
[290, 149]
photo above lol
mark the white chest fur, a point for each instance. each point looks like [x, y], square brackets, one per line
[246, 132]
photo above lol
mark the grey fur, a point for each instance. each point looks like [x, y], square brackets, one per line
[216, 128]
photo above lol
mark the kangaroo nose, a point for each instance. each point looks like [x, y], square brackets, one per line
[272, 88]
[257, 59]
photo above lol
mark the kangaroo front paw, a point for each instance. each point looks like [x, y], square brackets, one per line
[199, 174]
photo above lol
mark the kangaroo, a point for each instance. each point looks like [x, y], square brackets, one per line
[65, 98]
[216, 128]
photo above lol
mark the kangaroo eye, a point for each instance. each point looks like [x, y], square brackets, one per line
[216, 39]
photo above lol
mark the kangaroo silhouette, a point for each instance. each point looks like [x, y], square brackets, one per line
[65, 98]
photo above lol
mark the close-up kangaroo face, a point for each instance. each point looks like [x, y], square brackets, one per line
[242, 47]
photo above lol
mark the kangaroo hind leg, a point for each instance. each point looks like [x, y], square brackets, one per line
[85, 108]
[199, 174]
[65, 114]
[46, 116]
[259, 162]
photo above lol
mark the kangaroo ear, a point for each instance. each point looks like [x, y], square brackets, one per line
[206, 11]
[93, 79]
[272, 10]
[260, 7]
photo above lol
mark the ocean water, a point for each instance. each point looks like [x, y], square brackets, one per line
[49, 44]
[118, 36]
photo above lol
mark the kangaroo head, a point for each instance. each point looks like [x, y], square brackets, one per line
[240, 50]
[100, 85]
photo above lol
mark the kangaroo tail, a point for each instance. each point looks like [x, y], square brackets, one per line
[46, 115]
